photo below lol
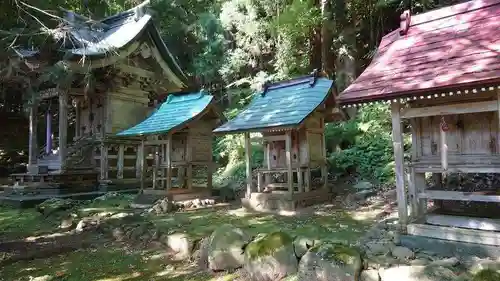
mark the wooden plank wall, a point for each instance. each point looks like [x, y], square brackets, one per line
[469, 134]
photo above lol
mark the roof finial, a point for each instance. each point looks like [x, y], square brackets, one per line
[265, 86]
[405, 22]
[314, 77]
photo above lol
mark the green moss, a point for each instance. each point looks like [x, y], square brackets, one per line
[487, 275]
[267, 244]
[336, 252]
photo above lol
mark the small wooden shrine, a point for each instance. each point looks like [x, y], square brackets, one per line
[290, 118]
[440, 73]
[130, 64]
[179, 136]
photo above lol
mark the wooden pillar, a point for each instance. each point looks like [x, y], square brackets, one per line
[33, 142]
[324, 168]
[168, 160]
[104, 162]
[288, 149]
[248, 158]
[78, 125]
[268, 178]
[142, 168]
[189, 160]
[138, 161]
[120, 161]
[397, 142]
[63, 126]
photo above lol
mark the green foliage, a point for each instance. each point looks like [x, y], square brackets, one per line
[367, 145]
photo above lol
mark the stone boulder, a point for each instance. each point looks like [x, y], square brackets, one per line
[270, 257]
[301, 245]
[181, 244]
[53, 205]
[329, 261]
[226, 248]
[417, 273]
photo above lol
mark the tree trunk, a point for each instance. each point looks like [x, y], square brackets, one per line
[315, 39]
[327, 53]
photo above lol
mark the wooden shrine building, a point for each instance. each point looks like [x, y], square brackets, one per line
[290, 116]
[130, 64]
[440, 72]
[179, 135]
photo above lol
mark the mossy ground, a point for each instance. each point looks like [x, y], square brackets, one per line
[113, 262]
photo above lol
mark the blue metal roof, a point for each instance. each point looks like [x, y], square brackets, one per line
[176, 111]
[282, 104]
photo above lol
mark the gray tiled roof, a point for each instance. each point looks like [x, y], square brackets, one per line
[283, 104]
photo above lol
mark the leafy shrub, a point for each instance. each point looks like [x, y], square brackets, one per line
[366, 145]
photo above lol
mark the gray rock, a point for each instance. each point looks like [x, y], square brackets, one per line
[416, 273]
[363, 185]
[403, 253]
[370, 275]
[449, 262]
[181, 244]
[225, 248]
[270, 257]
[380, 247]
[66, 223]
[42, 278]
[301, 245]
[330, 262]
[419, 261]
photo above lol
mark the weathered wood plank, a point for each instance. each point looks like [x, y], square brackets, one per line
[464, 222]
[397, 141]
[450, 109]
[455, 234]
[459, 196]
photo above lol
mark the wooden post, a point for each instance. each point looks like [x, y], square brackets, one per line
[307, 180]
[142, 164]
[324, 168]
[300, 187]
[168, 160]
[104, 162]
[269, 155]
[63, 126]
[444, 146]
[138, 161]
[397, 142]
[248, 158]
[78, 121]
[189, 160]
[120, 161]
[33, 147]
[288, 147]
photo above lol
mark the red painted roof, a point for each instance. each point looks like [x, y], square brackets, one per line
[443, 49]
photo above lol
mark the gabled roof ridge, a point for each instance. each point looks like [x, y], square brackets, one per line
[310, 79]
[454, 10]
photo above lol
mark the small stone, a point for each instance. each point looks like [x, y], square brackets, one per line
[43, 278]
[403, 253]
[80, 226]
[370, 275]
[66, 223]
[449, 262]
[118, 234]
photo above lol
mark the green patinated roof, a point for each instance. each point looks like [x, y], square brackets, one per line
[283, 104]
[176, 111]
